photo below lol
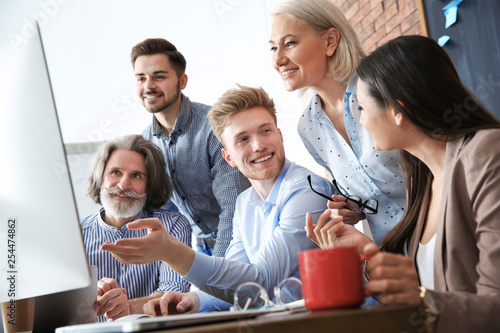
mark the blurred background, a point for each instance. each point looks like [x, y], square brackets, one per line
[88, 43]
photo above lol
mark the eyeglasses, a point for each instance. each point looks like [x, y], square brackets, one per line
[369, 206]
[252, 296]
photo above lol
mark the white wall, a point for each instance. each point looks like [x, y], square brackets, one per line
[88, 42]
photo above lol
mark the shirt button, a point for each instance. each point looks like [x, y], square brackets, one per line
[123, 268]
[173, 171]
[183, 198]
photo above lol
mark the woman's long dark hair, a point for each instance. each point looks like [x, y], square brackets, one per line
[414, 75]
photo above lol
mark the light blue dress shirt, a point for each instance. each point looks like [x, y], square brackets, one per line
[138, 280]
[267, 237]
[362, 170]
[205, 186]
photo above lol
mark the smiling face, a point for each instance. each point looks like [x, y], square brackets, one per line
[157, 83]
[254, 144]
[125, 179]
[300, 56]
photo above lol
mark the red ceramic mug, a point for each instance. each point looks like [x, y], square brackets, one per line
[332, 278]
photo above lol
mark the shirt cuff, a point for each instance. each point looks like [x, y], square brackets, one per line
[209, 303]
[202, 269]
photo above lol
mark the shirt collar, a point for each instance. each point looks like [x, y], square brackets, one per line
[180, 123]
[273, 196]
[124, 228]
[318, 112]
[352, 86]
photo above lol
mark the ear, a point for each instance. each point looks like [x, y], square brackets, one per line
[228, 158]
[332, 38]
[281, 134]
[183, 81]
[397, 116]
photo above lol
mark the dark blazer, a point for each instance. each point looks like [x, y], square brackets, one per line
[467, 253]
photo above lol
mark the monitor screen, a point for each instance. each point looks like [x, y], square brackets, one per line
[41, 246]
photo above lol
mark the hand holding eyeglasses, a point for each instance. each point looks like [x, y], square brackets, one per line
[350, 212]
[350, 207]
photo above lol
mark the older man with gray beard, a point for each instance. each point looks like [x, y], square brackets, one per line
[129, 180]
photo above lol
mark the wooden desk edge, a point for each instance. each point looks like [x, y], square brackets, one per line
[371, 319]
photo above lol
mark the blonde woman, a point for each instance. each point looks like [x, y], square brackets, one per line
[315, 47]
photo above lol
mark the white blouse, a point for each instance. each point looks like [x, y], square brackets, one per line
[425, 263]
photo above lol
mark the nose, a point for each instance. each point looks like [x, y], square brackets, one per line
[258, 144]
[279, 58]
[149, 84]
[124, 183]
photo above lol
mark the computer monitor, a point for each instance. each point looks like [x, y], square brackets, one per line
[41, 245]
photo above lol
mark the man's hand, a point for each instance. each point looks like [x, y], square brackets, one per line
[141, 250]
[111, 299]
[173, 302]
[158, 244]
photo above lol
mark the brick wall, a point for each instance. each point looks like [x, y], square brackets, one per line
[378, 21]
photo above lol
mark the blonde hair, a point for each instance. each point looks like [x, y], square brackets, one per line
[237, 100]
[322, 15]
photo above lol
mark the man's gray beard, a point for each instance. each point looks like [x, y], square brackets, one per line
[120, 209]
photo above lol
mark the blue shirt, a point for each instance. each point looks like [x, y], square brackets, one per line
[138, 280]
[267, 237]
[205, 186]
[362, 170]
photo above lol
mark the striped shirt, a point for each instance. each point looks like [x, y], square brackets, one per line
[138, 280]
[205, 186]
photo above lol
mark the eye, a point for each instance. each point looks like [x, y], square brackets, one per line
[273, 48]
[136, 175]
[159, 77]
[290, 43]
[140, 79]
[242, 140]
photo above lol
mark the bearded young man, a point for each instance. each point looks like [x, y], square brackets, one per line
[205, 187]
[128, 179]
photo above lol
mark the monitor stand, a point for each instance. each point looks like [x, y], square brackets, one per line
[67, 307]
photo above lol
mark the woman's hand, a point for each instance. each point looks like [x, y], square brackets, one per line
[340, 206]
[334, 233]
[392, 277]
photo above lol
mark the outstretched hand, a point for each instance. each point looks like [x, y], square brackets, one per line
[141, 250]
[172, 302]
[157, 245]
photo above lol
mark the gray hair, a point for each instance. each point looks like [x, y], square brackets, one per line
[159, 187]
